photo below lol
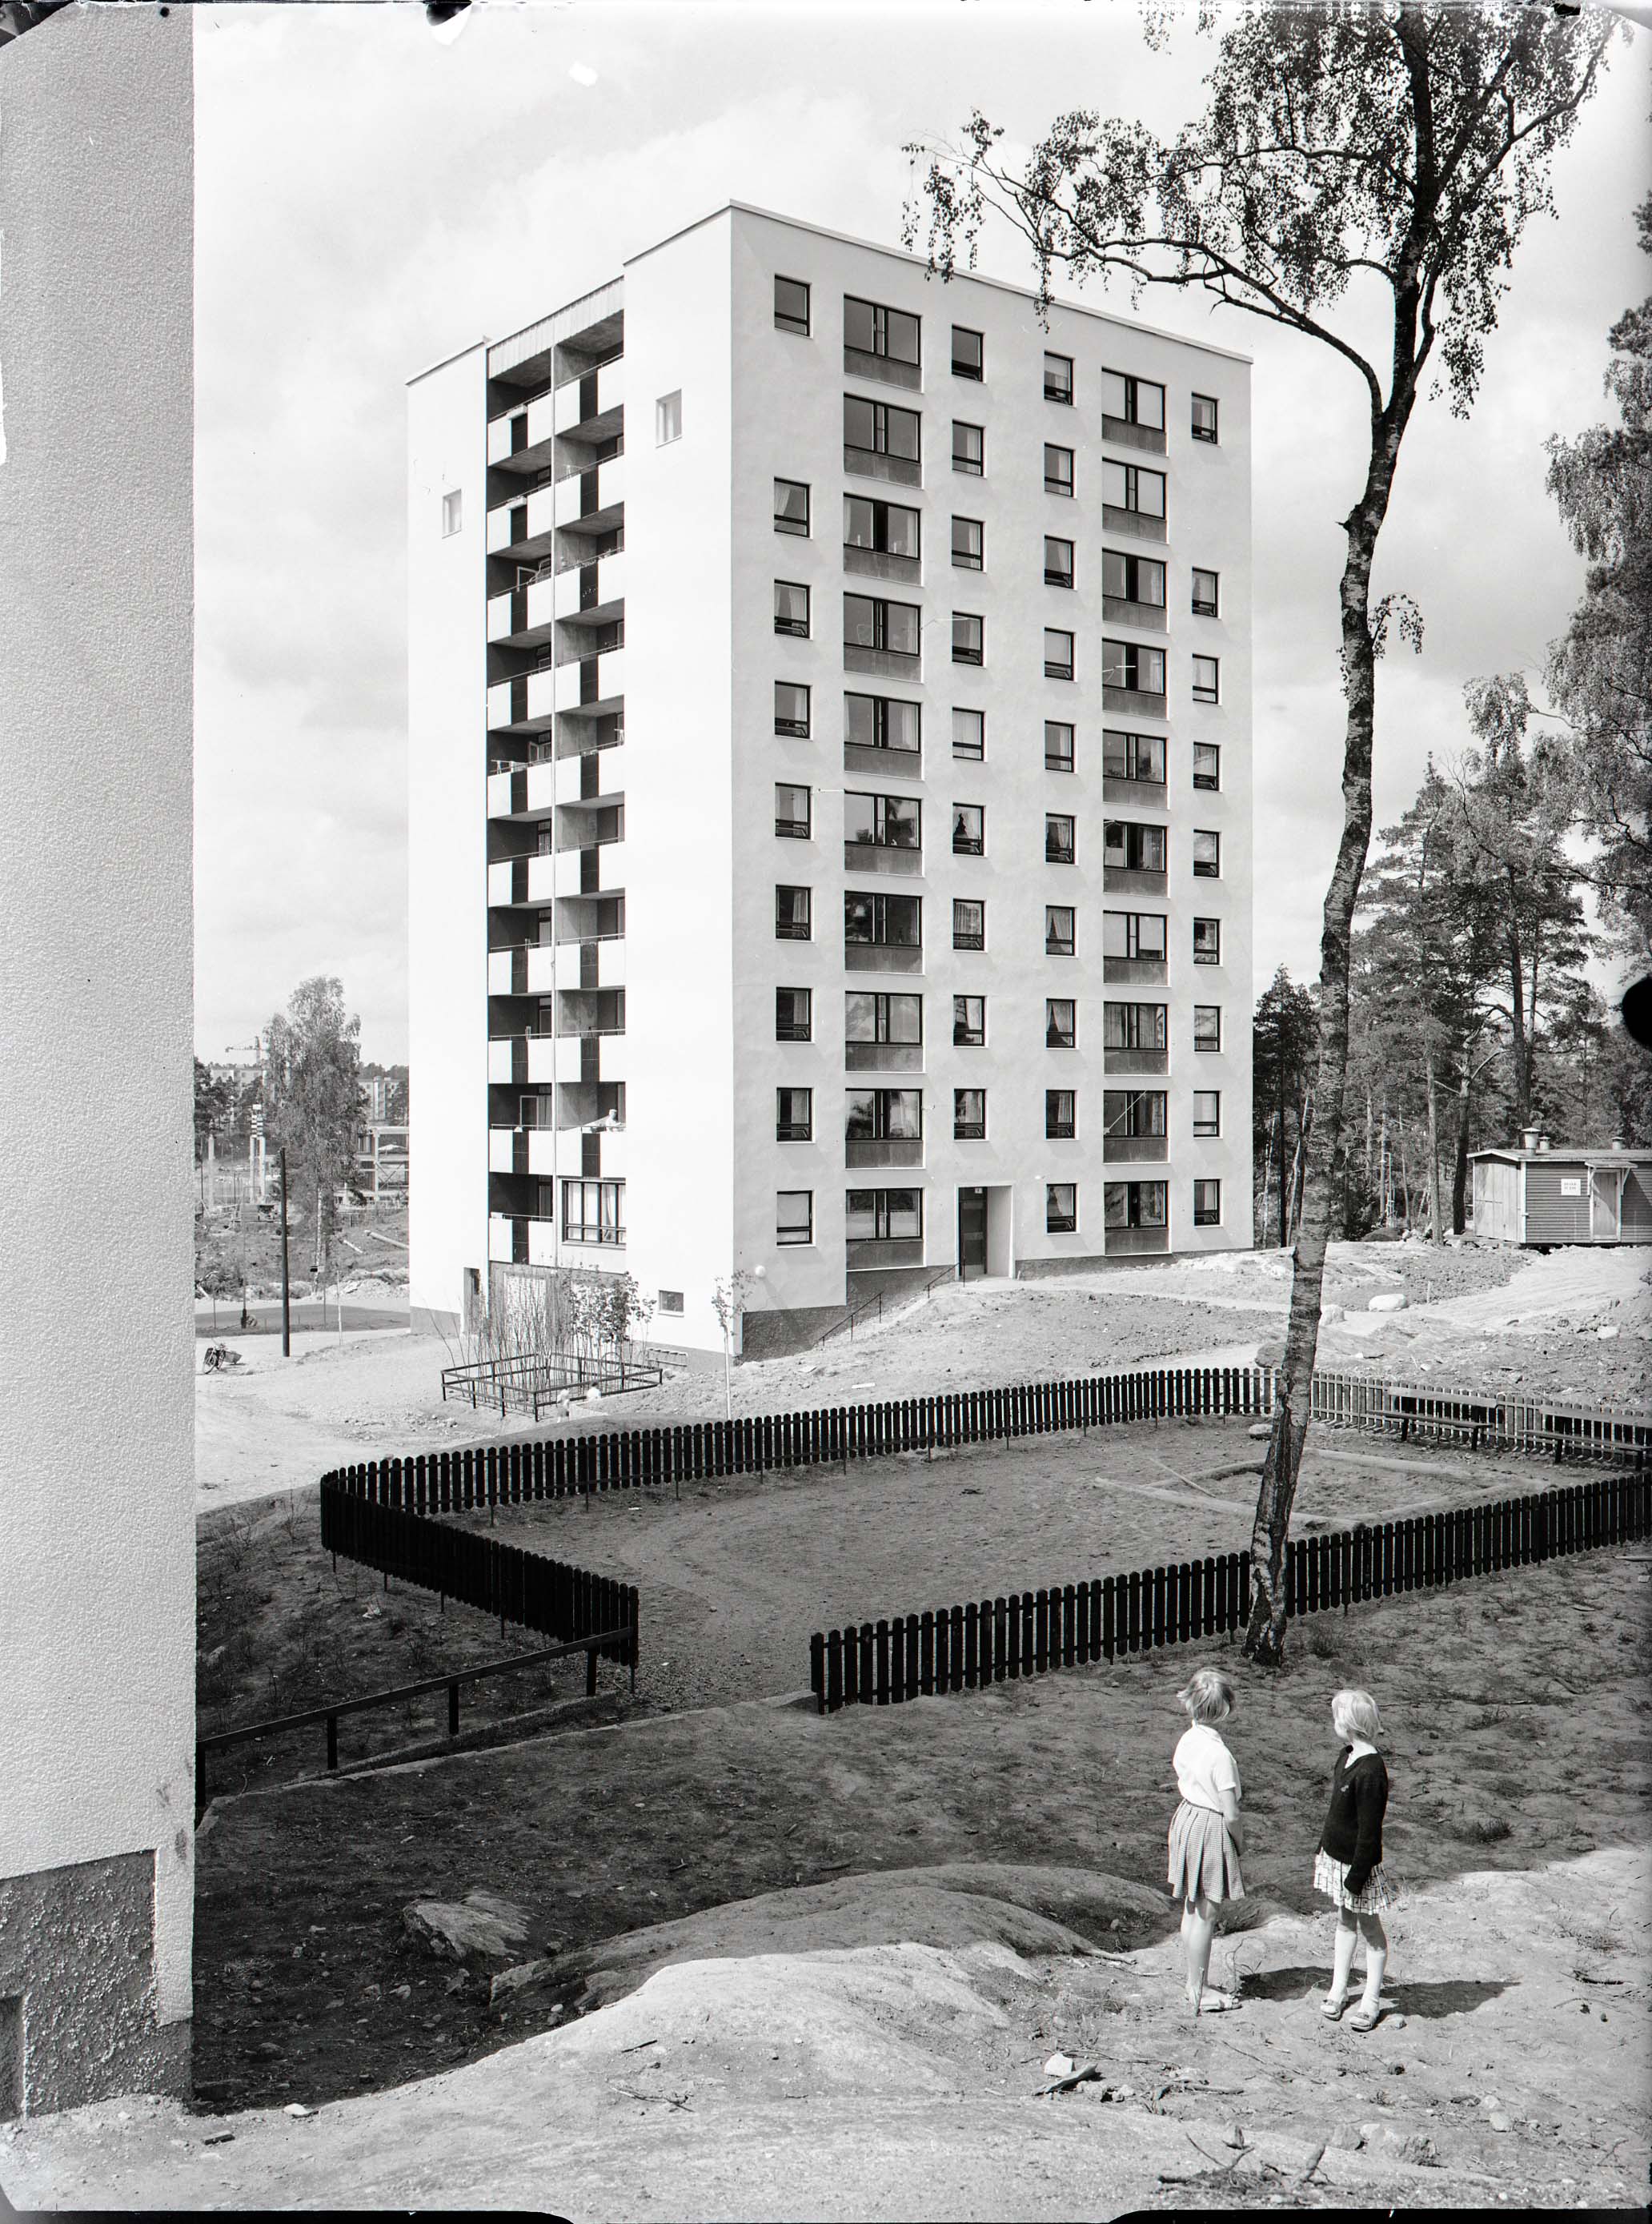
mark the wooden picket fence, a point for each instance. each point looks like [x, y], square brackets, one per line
[964, 1647]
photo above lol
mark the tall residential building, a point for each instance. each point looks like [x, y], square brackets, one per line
[830, 806]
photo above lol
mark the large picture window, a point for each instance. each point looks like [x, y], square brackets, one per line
[1135, 1205]
[883, 1216]
[882, 722]
[593, 1212]
[871, 329]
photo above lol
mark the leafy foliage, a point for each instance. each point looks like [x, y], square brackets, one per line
[313, 1095]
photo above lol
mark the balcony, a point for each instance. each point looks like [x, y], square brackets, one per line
[591, 500]
[1148, 616]
[883, 1058]
[1153, 970]
[1134, 1242]
[883, 763]
[880, 563]
[1136, 1061]
[1135, 1150]
[592, 594]
[524, 703]
[873, 464]
[522, 1239]
[1123, 435]
[597, 869]
[523, 526]
[1134, 522]
[514, 880]
[521, 618]
[882, 958]
[594, 781]
[595, 685]
[1136, 702]
[522, 439]
[873, 1251]
[881, 857]
[592, 406]
[528, 968]
[1130, 879]
[526, 791]
[891, 663]
[522, 1061]
[885, 370]
[884, 1152]
[1119, 788]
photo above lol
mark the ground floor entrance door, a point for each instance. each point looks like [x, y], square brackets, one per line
[972, 1233]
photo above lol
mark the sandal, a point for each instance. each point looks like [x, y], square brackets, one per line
[1364, 2018]
[1220, 2004]
[1331, 2007]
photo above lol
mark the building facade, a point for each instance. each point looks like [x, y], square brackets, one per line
[830, 786]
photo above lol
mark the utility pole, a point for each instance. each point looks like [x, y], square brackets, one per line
[286, 1299]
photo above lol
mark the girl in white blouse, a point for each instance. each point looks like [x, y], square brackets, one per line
[1207, 1836]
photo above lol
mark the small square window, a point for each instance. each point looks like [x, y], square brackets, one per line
[1061, 1115]
[793, 1016]
[1207, 1204]
[968, 1115]
[1058, 469]
[792, 305]
[1207, 675]
[792, 913]
[1061, 1208]
[969, 638]
[969, 448]
[790, 709]
[1207, 854]
[1058, 745]
[1058, 378]
[794, 1115]
[671, 1301]
[1204, 417]
[668, 419]
[970, 1021]
[1058, 838]
[1058, 653]
[792, 507]
[1206, 765]
[1206, 1111]
[1206, 593]
[793, 813]
[1207, 942]
[794, 1216]
[1207, 1026]
[969, 734]
[1059, 930]
[792, 608]
[1058, 562]
[968, 353]
[968, 544]
[453, 513]
[969, 924]
[1061, 1023]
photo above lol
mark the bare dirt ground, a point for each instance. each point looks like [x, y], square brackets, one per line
[863, 2036]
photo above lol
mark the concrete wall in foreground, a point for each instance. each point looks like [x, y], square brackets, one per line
[96, 1340]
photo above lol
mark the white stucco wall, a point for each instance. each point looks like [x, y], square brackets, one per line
[97, 1339]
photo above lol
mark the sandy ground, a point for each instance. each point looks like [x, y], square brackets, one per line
[274, 1426]
[926, 1901]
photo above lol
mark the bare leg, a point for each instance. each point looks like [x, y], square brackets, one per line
[1198, 1927]
[1376, 1938]
[1342, 1969]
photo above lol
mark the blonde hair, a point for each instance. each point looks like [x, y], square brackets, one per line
[1208, 1696]
[1355, 1713]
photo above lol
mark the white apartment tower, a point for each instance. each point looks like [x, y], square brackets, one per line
[830, 786]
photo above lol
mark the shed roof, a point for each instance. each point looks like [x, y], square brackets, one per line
[1591, 1154]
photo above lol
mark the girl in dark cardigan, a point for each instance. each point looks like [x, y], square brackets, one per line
[1348, 1868]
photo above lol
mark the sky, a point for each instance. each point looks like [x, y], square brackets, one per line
[370, 199]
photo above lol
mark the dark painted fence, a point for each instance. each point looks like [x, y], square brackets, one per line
[962, 1647]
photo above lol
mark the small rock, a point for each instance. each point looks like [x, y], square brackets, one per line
[401, 1991]
[1395, 2021]
[1348, 2138]
[523, 1978]
[1388, 1301]
[1260, 1430]
[297, 2108]
[1498, 2121]
[266, 2051]
[482, 1924]
[1060, 2065]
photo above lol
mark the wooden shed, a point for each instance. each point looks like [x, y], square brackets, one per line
[1555, 1193]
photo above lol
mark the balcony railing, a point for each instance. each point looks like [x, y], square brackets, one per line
[887, 370]
[873, 464]
[1117, 519]
[1149, 616]
[1123, 435]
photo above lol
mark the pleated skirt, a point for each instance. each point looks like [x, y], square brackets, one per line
[1204, 1860]
[1330, 1877]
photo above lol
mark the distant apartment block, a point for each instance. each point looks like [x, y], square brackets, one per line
[382, 1162]
[830, 786]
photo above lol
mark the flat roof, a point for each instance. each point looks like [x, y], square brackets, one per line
[1597, 1154]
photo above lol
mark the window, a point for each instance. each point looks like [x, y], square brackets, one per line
[889, 528]
[1130, 400]
[1058, 378]
[790, 709]
[792, 507]
[1058, 562]
[968, 353]
[970, 1021]
[878, 428]
[671, 1301]
[792, 914]
[968, 830]
[794, 1216]
[882, 822]
[969, 638]
[792, 305]
[1133, 1027]
[1207, 1026]
[882, 722]
[792, 811]
[1206, 1111]
[1139, 849]
[592, 1212]
[1204, 417]
[1138, 934]
[1059, 930]
[1133, 757]
[1206, 593]
[1206, 676]
[453, 513]
[1135, 1112]
[883, 1115]
[968, 544]
[969, 924]
[968, 1115]
[1129, 665]
[1207, 942]
[883, 922]
[1135, 1205]
[876, 1017]
[1061, 1023]
[889, 628]
[668, 419]
[1061, 1115]
[794, 1016]
[870, 329]
[969, 734]
[1058, 653]
[1132, 579]
[1058, 745]
[1206, 1204]
[794, 1115]
[1207, 854]
[1206, 765]
[792, 608]
[1133, 488]
[883, 1215]
[1058, 469]
[1058, 838]
[969, 448]
[1061, 1208]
